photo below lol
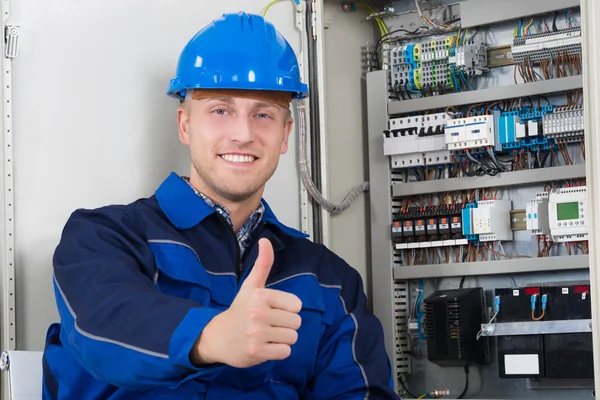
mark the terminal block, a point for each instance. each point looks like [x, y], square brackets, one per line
[471, 58]
[564, 125]
[546, 46]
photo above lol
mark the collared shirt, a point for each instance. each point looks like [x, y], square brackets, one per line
[244, 234]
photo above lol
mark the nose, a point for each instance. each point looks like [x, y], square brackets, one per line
[242, 131]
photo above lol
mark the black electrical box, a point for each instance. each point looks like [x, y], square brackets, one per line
[519, 356]
[452, 320]
[568, 355]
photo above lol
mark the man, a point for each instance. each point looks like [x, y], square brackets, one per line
[199, 291]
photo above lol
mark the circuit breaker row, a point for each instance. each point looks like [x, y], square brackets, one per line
[559, 215]
[431, 139]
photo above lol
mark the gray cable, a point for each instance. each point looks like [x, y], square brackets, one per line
[307, 180]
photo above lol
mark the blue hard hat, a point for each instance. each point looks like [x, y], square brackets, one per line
[238, 51]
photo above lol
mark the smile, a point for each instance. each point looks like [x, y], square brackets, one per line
[238, 158]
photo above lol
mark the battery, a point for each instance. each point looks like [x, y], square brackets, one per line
[519, 356]
[568, 355]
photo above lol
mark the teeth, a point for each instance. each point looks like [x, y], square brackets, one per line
[237, 158]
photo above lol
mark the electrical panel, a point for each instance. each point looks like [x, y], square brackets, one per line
[567, 209]
[481, 175]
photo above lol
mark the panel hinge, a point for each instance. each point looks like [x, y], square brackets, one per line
[11, 39]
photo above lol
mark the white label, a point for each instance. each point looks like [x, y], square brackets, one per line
[521, 364]
[565, 290]
[515, 292]
[583, 295]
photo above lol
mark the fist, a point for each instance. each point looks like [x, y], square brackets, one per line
[260, 325]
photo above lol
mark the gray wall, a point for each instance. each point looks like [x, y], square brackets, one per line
[346, 130]
[93, 125]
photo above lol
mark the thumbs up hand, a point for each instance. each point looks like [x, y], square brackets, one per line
[260, 325]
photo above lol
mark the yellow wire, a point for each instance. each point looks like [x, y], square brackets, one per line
[528, 25]
[465, 37]
[422, 397]
[269, 6]
[383, 29]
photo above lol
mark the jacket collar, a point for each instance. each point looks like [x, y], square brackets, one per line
[185, 209]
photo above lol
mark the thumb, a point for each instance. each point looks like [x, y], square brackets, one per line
[262, 266]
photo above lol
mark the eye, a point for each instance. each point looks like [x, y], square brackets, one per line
[263, 115]
[220, 111]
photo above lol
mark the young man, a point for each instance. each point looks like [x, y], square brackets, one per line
[199, 291]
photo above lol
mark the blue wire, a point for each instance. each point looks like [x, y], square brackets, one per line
[464, 78]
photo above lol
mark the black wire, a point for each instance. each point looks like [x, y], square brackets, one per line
[464, 392]
[554, 28]
[472, 36]
[462, 282]
[406, 389]
[544, 98]
[383, 37]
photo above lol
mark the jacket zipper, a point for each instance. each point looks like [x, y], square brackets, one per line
[238, 261]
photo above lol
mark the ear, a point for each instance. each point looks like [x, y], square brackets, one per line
[183, 121]
[286, 135]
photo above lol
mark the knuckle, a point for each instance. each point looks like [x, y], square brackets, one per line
[254, 332]
[255, 314]
[254, 350]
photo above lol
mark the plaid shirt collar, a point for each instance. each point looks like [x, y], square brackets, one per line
[244, 234]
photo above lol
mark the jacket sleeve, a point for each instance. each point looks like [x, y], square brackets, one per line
[352, 363]
[114, 321]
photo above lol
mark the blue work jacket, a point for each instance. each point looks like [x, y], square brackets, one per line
[135, 285]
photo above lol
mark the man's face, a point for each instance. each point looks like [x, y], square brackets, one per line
[235, 144]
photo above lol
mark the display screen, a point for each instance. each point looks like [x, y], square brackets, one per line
[567, 211]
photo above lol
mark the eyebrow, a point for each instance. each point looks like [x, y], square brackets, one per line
[258, 104]
[228, 100]
[265, 104]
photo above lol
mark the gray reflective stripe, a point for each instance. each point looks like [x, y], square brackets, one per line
[193, 251]
[62, 294]
[290, 277]
[99, 338]
[362, 370]
[125, 345]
